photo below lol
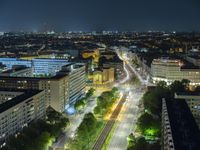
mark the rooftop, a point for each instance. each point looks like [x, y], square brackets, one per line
[57, 76]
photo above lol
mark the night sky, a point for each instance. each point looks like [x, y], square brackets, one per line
[88, 15]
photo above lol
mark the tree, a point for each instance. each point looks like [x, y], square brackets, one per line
[79, 104]
[148, 125]
[131, 140]
[90, 92]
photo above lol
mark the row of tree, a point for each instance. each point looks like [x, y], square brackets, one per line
[86, 133]
[105, 101]
[90, 127]
[39, 135]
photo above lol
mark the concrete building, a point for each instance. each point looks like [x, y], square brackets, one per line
[193, 101]
[18, 109]
[76, 73]
[102, 76]
[9, 62]
[118, 67]
[18, 71]
[56, 88]
[169, 70]
[40, 66]
[179, 129]
[47, 66]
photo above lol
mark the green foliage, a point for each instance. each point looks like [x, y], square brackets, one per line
[80, 104]
[148, 125]
[86, 133]
[90, 93]
[39, 135]
[179, 86]
[105, 101]
[141, 144]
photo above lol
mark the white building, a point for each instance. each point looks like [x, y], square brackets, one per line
[169, 70]
[18, 108]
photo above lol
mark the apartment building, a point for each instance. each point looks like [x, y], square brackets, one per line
[56, 88]
[179, 129]
[193, 101]
[18, 108]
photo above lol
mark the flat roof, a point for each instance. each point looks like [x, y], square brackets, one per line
[18, 99]
[57, 76]
[185, 132]
[15, 70]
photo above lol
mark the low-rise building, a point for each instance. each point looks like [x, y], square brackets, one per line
[102, 76]
[40, 66]
[18, 108]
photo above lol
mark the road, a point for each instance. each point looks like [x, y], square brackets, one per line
[108, 127]
[128, 117]
[126, 121]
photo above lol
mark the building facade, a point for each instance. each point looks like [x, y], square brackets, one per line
[193, 101]
[56, 88]
[179, 128]
[102, 76]
[76, 74]
[19, 71]
[169, 70]
[17, 112]
[40, 66]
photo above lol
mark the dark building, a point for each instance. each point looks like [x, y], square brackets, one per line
[179, 129]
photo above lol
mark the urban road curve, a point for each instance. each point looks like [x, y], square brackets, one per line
[106, 130]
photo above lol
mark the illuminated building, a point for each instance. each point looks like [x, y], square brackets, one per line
[102, 76]
[18, 108]
[18, 71]
[169, 70]
[76, 79]
[48, 66]
[92, 53]
[55, 88]
[40, 66]
[61, 90]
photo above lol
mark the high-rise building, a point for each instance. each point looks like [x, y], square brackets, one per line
[193, 101]
[179, 129]
[18, 108]
[76, 74]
